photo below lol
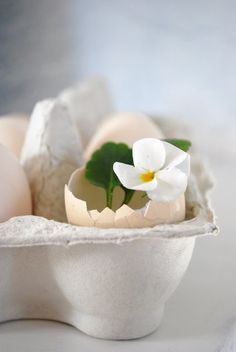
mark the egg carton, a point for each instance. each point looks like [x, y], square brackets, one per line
[110, 283]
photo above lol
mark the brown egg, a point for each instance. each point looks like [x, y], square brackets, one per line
[126, 127]
[15, 194]
[12, 132]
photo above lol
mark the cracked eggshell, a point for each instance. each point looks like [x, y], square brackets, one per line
[86, 206]
[13, 129]
[125, 127]
[14, 188]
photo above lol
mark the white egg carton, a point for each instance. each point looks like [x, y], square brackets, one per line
[109, 283]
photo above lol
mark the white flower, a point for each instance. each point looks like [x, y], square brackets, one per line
[160, 169]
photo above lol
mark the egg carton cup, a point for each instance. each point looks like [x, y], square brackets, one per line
[109, 283]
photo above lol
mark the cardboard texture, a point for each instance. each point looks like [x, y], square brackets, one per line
[108, 282]
[49, 156]
[88, 103]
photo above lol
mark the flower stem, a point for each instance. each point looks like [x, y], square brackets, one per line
[109, 197]
[128, 197]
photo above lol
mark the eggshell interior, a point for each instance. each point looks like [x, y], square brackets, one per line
[12, 132]
[125, 127]
[86, 206]
[15, 194]
[95, 197]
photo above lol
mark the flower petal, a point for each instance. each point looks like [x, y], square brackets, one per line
[171, 183]
[149, 154]
[185, 165]
[174, 155]
[130, 178]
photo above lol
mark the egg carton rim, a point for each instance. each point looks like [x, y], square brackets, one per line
[32, 230]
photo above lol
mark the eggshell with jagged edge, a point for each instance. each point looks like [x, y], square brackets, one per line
[86, 206]
[123, 127]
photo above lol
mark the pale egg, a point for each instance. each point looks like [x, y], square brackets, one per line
[15, 193]
[125, 127]
[12, 132]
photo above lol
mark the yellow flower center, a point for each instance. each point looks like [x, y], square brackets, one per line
[147, 176]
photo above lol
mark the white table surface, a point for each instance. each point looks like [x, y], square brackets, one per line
[201, 314]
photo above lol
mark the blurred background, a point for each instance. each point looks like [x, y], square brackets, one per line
[173, 57]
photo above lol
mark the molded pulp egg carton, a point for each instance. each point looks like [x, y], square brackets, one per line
[109, 283]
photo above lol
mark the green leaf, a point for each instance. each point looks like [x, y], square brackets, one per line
[182, 144]
[99, 169]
